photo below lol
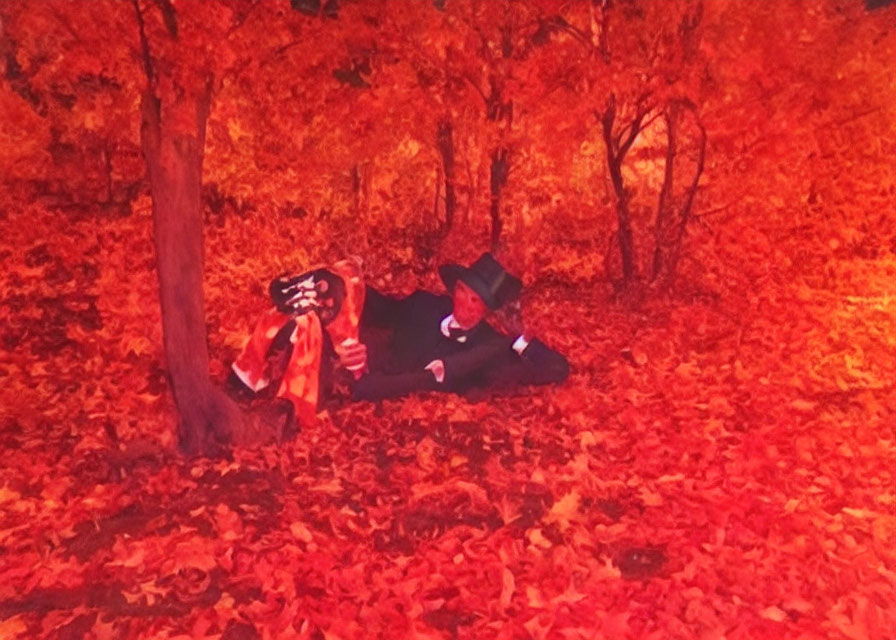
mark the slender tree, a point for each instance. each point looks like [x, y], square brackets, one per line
[618, 141]
[445, 142]
[643, 70]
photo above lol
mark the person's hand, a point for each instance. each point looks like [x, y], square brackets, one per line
[353, 356]
[437, 369]
[510, 317]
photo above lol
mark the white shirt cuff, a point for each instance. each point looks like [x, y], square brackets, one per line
[246, 378]
[437, 369]
[520, 344]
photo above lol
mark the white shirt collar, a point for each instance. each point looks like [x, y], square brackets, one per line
[448, 323]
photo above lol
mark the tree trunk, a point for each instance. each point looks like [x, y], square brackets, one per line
[624, 220]
[615, 156]
[499, 169]
[445, 137]
[356, 193]
[107, 166]
[661, 233]
[173, 138]
[688, 204]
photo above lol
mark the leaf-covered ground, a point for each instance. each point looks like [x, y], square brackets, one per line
[716, 466]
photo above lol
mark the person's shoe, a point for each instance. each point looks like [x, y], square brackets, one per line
[290, 428]
[238, 390]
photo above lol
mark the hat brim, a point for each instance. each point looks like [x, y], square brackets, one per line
[451, 273]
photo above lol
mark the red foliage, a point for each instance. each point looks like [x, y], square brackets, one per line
[720, 463]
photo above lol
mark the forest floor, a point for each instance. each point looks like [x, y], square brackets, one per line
[715, 467]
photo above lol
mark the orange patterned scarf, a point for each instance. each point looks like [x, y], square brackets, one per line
[301, 377]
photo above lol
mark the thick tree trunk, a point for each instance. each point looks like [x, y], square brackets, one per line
[173, 137]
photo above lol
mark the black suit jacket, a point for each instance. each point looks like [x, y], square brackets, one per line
[404, 335]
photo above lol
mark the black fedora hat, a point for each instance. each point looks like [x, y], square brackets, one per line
[486, 277]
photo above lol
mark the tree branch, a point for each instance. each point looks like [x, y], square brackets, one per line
[476, 86]
[698, 172]
[664, 203]
[169, 16]
[144, 45]
[635, 127]
[690, 194]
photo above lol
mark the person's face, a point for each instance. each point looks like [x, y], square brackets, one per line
[469, 308]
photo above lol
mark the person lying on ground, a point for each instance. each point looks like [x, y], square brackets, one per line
[328, 318]
[429, 342]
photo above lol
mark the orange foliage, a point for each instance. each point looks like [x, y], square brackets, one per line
[720, 463]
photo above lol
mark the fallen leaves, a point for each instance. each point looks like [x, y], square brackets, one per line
[773, 613]
[719, 465]
[462, 519]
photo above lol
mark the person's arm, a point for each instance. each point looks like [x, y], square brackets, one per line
[459, 367]
[530, 361]
[444, 374]
[494, 364]
[506, 362]
[536, 363]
